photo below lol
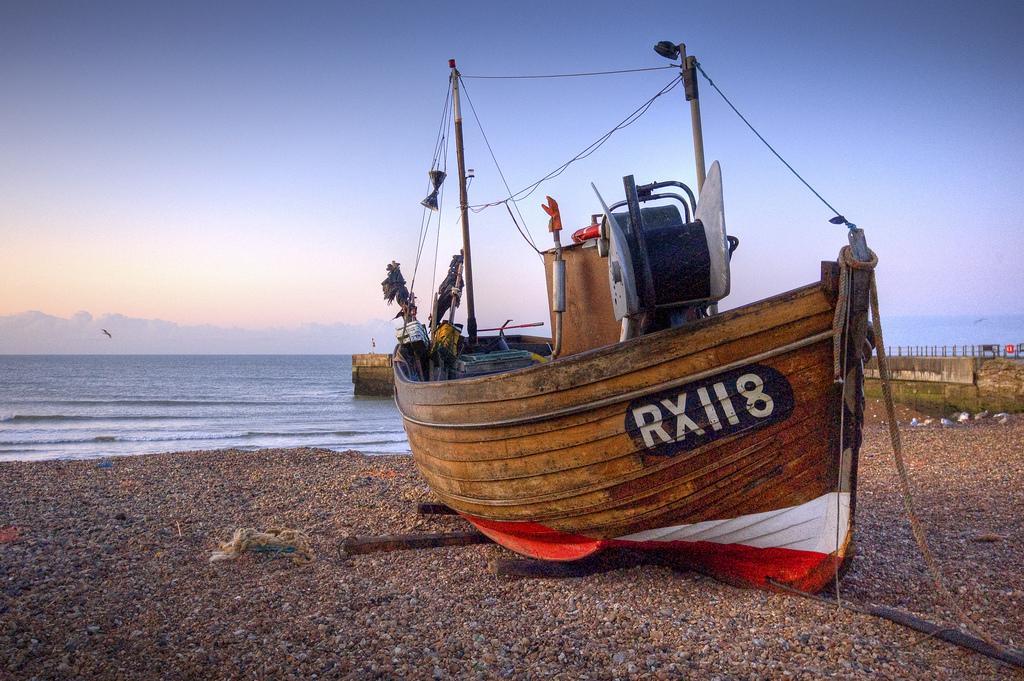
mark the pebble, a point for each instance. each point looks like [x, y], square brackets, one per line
[152, 602]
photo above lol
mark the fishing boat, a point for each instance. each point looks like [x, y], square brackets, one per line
[727, 441]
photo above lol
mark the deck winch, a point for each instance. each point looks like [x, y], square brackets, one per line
[666, 267]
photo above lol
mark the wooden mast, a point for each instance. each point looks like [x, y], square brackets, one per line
[463, 207]
[688, 67]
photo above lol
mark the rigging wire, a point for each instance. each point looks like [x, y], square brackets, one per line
[576, 75]
[439, 139]
[440, 208]
[437, 246]
[839, 219]
[529, 241]
[424, 230]
[525, 234]
[440, 153]
[587, 151]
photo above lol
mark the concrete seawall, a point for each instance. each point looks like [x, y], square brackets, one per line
[371, 375]
[932, 384]
[943, 384]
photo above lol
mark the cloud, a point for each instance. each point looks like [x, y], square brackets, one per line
[39, 333]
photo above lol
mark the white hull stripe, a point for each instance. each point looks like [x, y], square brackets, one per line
[811, 526]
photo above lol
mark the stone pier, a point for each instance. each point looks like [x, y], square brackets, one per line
[371, 375]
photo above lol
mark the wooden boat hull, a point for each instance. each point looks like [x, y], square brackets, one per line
[726, 443]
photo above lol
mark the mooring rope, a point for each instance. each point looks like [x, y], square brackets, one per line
[949, 635]
[847, 262]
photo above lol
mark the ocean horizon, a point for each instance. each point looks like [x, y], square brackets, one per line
[959, 330]
[89, 406]
[930, 329]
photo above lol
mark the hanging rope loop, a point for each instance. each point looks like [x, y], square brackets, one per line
[846, 259]
[840, 320]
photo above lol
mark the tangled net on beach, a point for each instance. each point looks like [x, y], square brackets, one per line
[278, 540]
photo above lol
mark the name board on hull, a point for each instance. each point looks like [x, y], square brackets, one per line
[733, 402]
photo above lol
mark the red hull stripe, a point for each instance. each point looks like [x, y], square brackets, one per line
[536, 541]
[734, 563]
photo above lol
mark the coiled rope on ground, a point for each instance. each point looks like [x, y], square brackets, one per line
[280, 540]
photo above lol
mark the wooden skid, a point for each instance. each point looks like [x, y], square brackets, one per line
[424, 508]
[400, 542]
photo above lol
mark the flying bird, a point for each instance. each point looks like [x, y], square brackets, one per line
[107, 332]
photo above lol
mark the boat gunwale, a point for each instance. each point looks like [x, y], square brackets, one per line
[566, 363]
[501, 433]
[684, 360]
[630, 395]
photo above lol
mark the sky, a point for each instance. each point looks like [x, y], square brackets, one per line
[255, 166]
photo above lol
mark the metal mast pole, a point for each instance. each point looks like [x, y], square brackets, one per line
[688, 67]
[463, 207]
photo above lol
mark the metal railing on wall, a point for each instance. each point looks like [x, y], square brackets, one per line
[983, 350]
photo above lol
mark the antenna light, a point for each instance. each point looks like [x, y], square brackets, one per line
[667, 49]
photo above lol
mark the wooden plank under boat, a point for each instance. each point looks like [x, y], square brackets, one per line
[558, 461]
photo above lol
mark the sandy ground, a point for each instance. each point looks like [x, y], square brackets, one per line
[104, 574]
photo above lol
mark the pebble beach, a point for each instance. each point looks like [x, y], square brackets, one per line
[105, 574]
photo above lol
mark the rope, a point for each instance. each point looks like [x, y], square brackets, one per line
[848, 262]
[274, 540]
[840, 358]
[576, 75]
[838, 219]
[949, 635]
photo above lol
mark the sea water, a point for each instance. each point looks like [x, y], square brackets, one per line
[959, 330]
[73, 406]
[80, 406]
